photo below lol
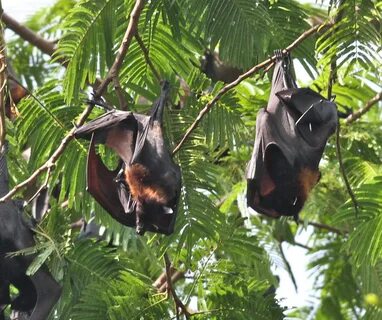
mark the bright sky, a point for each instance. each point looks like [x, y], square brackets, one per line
[22, 9]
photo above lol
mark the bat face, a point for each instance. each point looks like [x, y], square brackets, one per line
[143, 191]
[291, 134]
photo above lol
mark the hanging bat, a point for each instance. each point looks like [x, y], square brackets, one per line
[143, 191]
[291, 134]
[216, 69]
[38, 292]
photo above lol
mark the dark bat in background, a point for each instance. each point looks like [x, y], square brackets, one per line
[291, 134]
[143, 191]
[38, 292]
[216, 69]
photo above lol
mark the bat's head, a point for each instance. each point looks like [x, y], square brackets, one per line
[315, 117]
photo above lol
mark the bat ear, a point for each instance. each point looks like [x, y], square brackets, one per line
[285, 96]
[305, 102]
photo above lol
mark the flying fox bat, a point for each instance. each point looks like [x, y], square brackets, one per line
[38, 292]
[291, 134]
[216, 69]
[143, 191]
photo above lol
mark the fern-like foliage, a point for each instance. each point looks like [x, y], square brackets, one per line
[85, 49]
[226, 254]
[356, 37]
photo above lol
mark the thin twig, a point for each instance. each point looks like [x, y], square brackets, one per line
[242, 77]
[146, 54]
[170, 289]
[287, 264]
[114, 70]
[322, 226]
[119, 91]
[39, 42]
[209, 311]
[359, 113]
[43, 186]
[129, 34]
[161, 282]
[332, 79]
[162, 278]
[343, 171]
[177, 275]
[301, 245]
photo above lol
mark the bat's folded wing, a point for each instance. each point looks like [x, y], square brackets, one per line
[102, 125]
[116, 129]
[103, 187]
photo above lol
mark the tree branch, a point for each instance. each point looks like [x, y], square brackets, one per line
[120, 94]
[161, 282]
[39, 42]
[242, 77]
[343, 171]
[332, 79]
[322, 226]
[146, 54]
[301, 245]
[44, 45]
[48, 165]
[170, 289]
[358, 114]
[129, 34]
[287, 265]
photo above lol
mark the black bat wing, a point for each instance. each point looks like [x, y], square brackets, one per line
[147, 123]
[117, 129]
[103, 186]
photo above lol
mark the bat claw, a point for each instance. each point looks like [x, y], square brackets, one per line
[140, 230]
[279, 54]
[99, 102]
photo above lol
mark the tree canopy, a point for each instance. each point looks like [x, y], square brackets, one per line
[222, 255]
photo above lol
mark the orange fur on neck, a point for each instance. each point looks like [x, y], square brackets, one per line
[307, 178]
[138, 178]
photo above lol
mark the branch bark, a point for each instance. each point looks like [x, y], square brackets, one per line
[114, 70]
[170, 289]
[322, 226]
[244, 76]
[129, 34]
[358, 114]
[33, 38]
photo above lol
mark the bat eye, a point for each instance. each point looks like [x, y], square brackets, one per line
[167, 210]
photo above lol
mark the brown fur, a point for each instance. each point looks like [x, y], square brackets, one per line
[142, 187]
[307, 178]
[16, 94]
